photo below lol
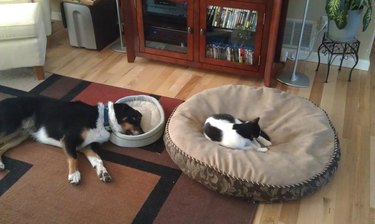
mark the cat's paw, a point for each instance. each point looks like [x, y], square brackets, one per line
[263, 149]
[267, 143]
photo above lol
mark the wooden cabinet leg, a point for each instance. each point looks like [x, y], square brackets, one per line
[127, 8]
[39, 72]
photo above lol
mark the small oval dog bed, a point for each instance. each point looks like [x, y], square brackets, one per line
[304, 155]
[153, 121]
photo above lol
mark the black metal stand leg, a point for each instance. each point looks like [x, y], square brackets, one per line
[342, 56]
[320, 47]
[329, 65]
[354, 48]
[351, 70]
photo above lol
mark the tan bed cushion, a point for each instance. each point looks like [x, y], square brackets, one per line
[151, 115]
[305, 145]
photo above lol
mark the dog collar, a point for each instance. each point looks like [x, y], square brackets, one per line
[115, 127]
[106, 117]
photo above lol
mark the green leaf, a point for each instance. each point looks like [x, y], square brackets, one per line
[332, 7]
[337, 10]
[366, 18]
[335, 7]
[341, 19]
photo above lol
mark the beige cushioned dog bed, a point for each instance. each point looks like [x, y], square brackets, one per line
[303, 157]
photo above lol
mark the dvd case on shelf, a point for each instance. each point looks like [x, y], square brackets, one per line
[228, 52]
[231, 18]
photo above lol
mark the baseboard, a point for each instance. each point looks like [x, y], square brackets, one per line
[347, 63]
[56, 16]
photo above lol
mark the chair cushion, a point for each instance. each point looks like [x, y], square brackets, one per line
[304, 155]
[18, 21]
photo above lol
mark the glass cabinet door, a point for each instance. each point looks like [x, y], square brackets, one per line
[166, 27]
[232, 34]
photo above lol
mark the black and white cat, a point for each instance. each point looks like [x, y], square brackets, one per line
[234, 133]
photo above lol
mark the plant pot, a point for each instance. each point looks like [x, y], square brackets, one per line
[349, 32]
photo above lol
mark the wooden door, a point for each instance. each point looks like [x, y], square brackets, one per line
[165, 28]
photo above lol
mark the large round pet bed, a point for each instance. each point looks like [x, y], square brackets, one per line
[304, 155]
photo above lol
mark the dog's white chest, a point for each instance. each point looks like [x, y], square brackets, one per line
[99, 135]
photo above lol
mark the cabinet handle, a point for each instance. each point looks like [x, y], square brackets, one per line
[202, 31]
[189, 30]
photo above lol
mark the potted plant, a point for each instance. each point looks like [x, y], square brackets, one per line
[345, 18]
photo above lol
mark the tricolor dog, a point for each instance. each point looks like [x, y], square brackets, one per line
[73, 126]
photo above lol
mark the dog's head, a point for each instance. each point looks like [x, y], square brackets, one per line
[125, 119]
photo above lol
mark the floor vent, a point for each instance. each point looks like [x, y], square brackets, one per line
[292, 34]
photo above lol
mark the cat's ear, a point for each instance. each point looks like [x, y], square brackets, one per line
[256, 120]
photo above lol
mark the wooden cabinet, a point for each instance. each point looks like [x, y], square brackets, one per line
[237, 36]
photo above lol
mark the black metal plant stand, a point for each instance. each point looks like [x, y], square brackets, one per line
[335, 48]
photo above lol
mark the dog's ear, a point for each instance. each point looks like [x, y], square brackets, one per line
[123, 110]
[120, 107]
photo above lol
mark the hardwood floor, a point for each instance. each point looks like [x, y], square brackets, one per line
[348, 199]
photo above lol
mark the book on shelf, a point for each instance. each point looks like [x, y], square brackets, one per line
[232, 18]
[222, 51]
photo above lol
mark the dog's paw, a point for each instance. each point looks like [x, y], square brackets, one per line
[103, 175]
[262, 149]
[74, 178]
[2, 166]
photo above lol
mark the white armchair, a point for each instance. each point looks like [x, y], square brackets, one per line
[23, 29]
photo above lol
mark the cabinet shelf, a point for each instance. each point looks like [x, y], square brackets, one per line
[229, 30]
[165, 20]
[167, 35]
[232, 36]
[166, 46]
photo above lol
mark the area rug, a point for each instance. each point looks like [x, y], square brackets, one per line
[147, 186]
